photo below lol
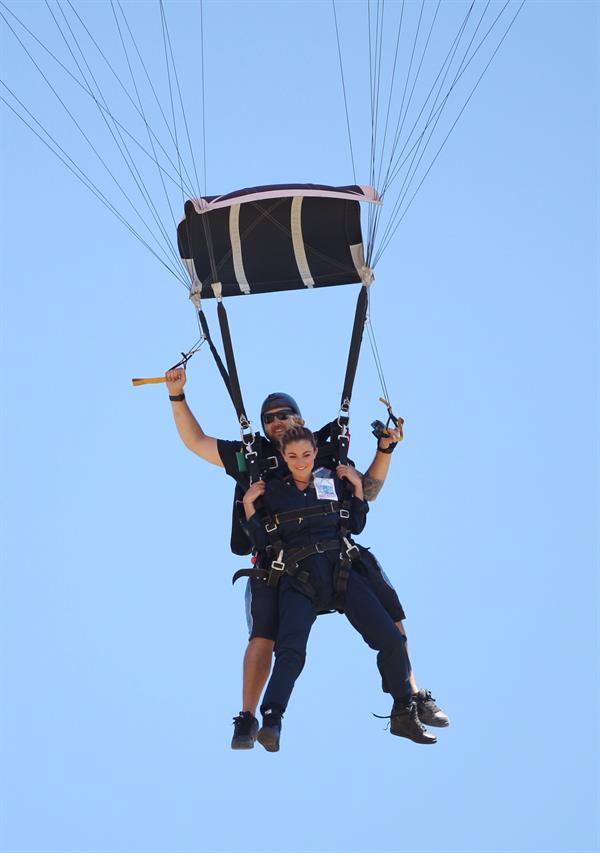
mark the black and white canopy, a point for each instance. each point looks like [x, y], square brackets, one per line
[279, 237]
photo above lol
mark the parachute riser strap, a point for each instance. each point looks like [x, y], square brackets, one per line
[218, 361]
[360, 316]
[234, 383]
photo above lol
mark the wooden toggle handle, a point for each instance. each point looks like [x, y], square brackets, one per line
[154, 380]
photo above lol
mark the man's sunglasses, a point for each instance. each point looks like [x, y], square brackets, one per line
[280, 416]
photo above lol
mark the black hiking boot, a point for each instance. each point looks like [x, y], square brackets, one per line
[245, 729]
[428, 711]
[404, 721]
[268, 736]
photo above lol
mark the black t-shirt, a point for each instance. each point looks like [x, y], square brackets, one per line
[231, 454]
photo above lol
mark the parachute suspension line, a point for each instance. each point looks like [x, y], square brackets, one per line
[180, 96]
[377, 82]
[135, 106]
[70, 164]
[391, 92]
[433, 113]
[375, 352]
[405, 107]
[68, 161]
[203, 96]
[337, 34]
[82, 132]
[120, 142]
[166, 40]
[377, 214]
[406, 102]
[171, 99]
[141, 107]
[392, 231]
[121, 145]
[415, 150]
[81, 86]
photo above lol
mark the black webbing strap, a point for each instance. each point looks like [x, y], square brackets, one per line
[348, 550]
[360, 316]
[252, 443]
[294, 558]
[326, 508]
[250, 573]
[234, 382]
[339, 432]
[215, 353]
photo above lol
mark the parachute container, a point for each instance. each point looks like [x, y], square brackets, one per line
[271, 238]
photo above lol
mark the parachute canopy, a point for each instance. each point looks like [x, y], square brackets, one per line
[277, 237]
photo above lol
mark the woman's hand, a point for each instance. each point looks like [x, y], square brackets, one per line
[254, 492]
[347, 472]
[175, 381]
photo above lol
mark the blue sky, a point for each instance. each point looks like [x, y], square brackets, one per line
[122, 638]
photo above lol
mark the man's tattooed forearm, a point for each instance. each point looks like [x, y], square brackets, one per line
[371, 487]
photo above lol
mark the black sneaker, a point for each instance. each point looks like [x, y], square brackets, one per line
[245, 729]
[404, 721]
[428, 711]
[268, 736]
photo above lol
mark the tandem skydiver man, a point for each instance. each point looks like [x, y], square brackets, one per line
[278, 413]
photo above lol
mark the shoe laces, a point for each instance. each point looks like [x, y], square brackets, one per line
[425, 696]
[412, 713]
[243, 722]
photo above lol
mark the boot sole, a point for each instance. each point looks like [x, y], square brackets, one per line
[249, 744]
[414, 740]
[268, 740]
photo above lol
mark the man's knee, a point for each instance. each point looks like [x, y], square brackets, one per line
[261, 643]
[259, 649]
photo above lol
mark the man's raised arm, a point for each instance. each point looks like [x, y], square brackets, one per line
[375, 475]
[190, 431]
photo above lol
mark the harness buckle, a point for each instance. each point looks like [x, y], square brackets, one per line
[351, 550]
[344, 513]
[273, 463]
[318, 548]
[250, 453]
[278, 566]
[270, 527]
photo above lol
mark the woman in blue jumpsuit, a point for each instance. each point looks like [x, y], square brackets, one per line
[312, 549]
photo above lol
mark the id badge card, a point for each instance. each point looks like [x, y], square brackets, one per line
[325, 489]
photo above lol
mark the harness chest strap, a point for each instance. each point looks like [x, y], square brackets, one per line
[299, 515]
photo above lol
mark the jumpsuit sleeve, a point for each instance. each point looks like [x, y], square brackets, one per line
[255, 530]
[358, 514]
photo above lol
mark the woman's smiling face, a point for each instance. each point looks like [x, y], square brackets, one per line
[300, 458]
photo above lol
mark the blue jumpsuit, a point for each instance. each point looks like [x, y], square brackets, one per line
[298, 606]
